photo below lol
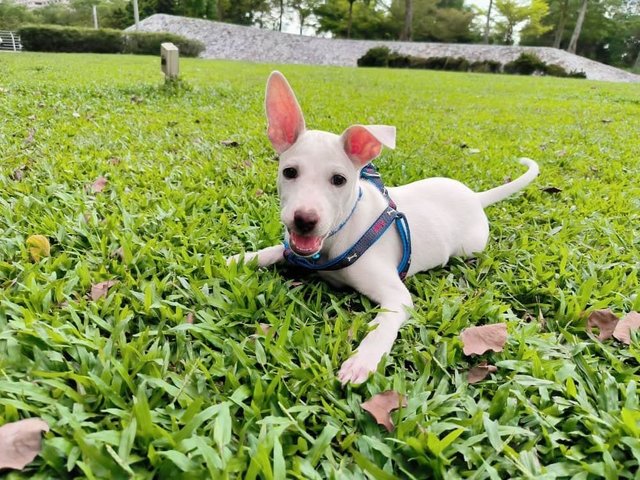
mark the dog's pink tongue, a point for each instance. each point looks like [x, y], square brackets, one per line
[304, 245]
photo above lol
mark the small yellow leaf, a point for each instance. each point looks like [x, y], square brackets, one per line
[38, 247]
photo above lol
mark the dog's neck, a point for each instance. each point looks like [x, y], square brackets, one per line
[367, 209]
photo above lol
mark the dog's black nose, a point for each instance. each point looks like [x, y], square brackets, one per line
[305, 222]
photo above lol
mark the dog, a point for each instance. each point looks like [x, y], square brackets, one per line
[327, 207]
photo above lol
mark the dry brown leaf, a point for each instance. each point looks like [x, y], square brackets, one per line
[30, 137]
[190, 318]
[118, 252]
[98, 185]
[229, 143]
[381, 405]
[18, 173]
[39, 247]
[477, 340]
[20, 442]
[99, 290]
[480, 372]
[264, 328]
[622, 332]
[259, 192]
[603, 320]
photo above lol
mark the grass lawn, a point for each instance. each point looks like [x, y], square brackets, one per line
[132, 389]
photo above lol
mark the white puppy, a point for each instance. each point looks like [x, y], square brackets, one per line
[326, 208]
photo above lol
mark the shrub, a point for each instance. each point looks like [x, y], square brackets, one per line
[485, 66]
[576, 74]
[148, 43]
[525, 64]
[51, 38]
[375, 57]
[555, 70]
[396, 60]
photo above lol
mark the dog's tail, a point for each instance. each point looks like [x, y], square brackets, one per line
[503, 191]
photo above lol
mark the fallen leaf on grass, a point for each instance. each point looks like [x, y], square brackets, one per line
[38, 247]
[381, 405]
[229, 143]
[551, 190]
[264, 328]
[480, 372]
[18, 173]
[189, 318]
[20, 442]
[99, 290]
[118, 253]
[603, 320]
[98, 185]
[622, 331]
[30, 137]
[477, 340]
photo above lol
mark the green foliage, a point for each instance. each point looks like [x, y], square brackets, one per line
[147, 43]
[437, 21]
[531, 64]
[51, 38]
[369, 20]
[131, 390]
[525, 64]
[514, 14]
[13, 15]
[375, 57]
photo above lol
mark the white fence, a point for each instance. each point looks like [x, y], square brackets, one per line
[9, 41]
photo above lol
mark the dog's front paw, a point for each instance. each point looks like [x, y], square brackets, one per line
[358, 368]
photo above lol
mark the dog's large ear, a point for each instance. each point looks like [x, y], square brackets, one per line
[363, 143]
[285, 120]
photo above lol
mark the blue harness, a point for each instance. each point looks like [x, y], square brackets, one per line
[387, 218]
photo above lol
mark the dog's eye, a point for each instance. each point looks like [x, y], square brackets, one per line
[338, 180]
[290, 172]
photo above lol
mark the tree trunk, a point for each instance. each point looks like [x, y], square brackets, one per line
[281, 15]
[636, 65]
[302, 17]
[407, 31]
[488, 24]
[557, 39]
[350, 19]
[219, 10]
[573, 44]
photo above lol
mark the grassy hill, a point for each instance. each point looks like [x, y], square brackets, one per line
[171, 374]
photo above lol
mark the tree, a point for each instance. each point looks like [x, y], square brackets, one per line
[350, 18]
[407, 30]
[561, 23]
[369, 19]
[14, 15]
[573, 43]
[487, 27]
[435, 20]
[515, 15]
[304, 9]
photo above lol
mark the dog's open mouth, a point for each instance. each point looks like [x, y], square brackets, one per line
[305, 245]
